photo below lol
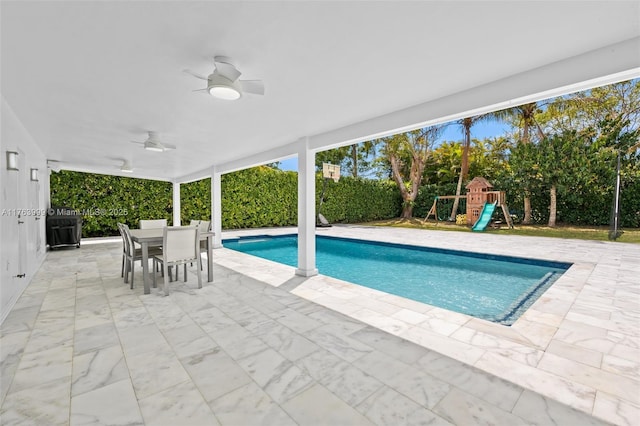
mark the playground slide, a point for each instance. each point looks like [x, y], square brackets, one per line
[485, 216]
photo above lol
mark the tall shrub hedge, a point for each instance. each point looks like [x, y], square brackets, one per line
[105, 200]
[251, 198]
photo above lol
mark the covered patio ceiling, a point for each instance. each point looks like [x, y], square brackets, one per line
[87, 78]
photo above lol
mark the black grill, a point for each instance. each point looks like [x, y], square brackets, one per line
[64, 227]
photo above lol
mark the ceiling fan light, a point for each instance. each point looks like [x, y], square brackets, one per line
[225, 92]
[153, 147]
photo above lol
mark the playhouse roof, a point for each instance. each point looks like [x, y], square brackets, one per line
[479, 182]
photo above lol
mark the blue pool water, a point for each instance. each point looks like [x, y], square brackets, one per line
[494, 288]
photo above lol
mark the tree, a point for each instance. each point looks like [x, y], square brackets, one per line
[407, 154]
[523, 117]
[466, 123]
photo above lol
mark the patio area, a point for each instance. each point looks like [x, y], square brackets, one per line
[260, 345]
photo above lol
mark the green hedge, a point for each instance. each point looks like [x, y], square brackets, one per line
[252, 198]
[106, 200]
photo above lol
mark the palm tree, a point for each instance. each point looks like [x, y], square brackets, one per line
[466, 124]
[524, 117]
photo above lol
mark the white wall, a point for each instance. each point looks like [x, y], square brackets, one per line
[20, 200]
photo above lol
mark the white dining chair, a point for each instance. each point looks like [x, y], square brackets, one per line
[151, 224]
[181, 245]
[131, 254]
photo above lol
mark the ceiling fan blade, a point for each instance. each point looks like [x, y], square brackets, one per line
[168, 147]
[196, 75]
[227, 70]
[141, 143]
[252, 86]
[201, 90]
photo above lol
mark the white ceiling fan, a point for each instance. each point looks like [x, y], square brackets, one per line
[223, 82]
[153, 143]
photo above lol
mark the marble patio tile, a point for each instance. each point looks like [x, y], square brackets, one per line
[143, 339]
[29, 299]
[317, 406]
[215, 373]
[497, 330]
[42, 367]
[154, 372]
[237, 342]
[249, 405]
[586, 336]
[534, 315]
[172, 318]
[388, 407]
[381, 366]
[421, 387]
[377, 305]
[612, 325]
[279, 377]
[621, 366]
[491, 389]
[539, 335]
[296, 321]
[44, 404]
[341, 306]
[96, 337]
[575, 353]
[461, 408]
[307, 293]
[551, 305]
[114, 404]
[96, 369]
[348, 383]
[409, 316]
[621, 386]
[63, 282]
[561, 389]
[21, 319]
[454, 348]
[182, 404]
[336, 321]
[390, 344]
[304, 306]
[522, 353]
[337, 343]
[132, 318]
[405, 304]
[11, 349]
[56, 300]
[92, 310]
[538, 410]
[289, 344]
[48, 338]
[381, 321]
[189, 340]
[613, 409]
[212, 319]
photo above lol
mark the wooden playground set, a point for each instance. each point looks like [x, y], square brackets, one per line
[482, 203]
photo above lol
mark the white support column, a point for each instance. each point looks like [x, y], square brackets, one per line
[176, 204]
[306, 210]
[216, 207]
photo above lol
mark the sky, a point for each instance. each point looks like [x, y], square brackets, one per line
[452, 133]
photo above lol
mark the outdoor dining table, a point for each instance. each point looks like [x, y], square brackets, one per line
[153, 238]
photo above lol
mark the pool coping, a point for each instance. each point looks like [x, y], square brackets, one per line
[577, 344]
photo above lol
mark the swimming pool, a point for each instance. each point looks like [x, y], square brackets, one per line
[494, 288]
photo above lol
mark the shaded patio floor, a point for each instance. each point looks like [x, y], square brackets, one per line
[261, 346]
